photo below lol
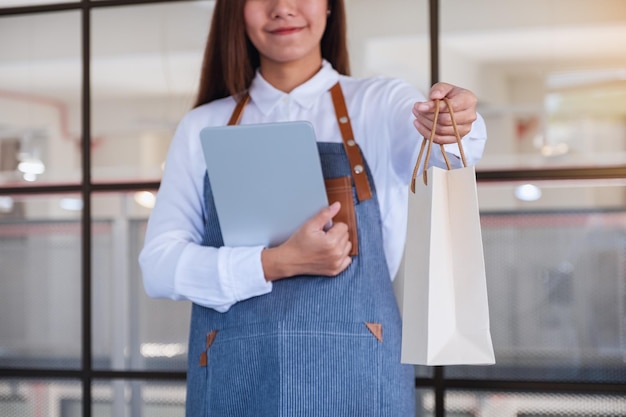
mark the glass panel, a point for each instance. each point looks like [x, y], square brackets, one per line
[40, 281]
[145, 72]
[501, 404]
[424, 401]
[423, 371]
[20, 3]
[131, 330]
[557, 289]
[550, 77]
[135, 398]
[28, 398]
[390, 38]
[40, 81]
[552, 195]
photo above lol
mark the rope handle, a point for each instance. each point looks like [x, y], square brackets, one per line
[430, 141]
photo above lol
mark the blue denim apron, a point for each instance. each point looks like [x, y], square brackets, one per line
[313, 346]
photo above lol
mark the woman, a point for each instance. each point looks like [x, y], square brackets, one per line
[306, 327]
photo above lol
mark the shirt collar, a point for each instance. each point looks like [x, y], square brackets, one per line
[266, 96]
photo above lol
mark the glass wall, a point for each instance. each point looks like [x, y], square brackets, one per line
[79, 336]
[550, 75]
[131, 330]
[34, 397]
[135, 398]
[145, 69]
[40, 285]
[557, 288]
[517, 404]
[40, 90]
[551, 82]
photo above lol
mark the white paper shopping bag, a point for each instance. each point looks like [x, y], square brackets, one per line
[445, 308]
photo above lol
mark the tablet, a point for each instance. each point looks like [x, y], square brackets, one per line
[266, 180]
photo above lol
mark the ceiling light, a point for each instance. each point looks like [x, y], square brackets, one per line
[528, 192]
[71, 204]
[29, 177]
[31, 166]
[145, 199]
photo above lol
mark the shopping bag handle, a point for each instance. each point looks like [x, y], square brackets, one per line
[430, 144]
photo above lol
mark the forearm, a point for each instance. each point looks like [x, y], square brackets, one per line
[212, 277]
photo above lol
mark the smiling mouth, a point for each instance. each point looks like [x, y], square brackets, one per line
[285, 31]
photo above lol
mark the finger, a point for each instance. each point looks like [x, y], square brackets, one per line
[342, 266]
[344, 241]
[442, 138]
[339, 240]
[423, 124]
[444, 121]
[337, 231]
[428, 107]
[440, 90]
[321, 219]
[348, 248]
[459, 98]
[424, 107]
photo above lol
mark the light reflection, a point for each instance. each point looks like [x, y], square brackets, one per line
[528, 192]
[6, 204]
[162, 350]
[145, 199]
[30, 177]
[31, 166]
[71, 204]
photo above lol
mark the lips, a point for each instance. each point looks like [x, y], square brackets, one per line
[285, 30]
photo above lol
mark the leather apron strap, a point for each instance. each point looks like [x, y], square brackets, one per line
[238, 112]
[357, 167]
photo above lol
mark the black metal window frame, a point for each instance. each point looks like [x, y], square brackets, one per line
[438, 383]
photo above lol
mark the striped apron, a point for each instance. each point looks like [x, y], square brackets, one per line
[313, 346]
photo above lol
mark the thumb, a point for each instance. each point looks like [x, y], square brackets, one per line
[321, 219]
[440, 90]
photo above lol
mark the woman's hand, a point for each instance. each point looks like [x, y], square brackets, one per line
[311, 250]
[463, 105]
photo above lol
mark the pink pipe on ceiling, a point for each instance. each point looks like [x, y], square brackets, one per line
[59, 106]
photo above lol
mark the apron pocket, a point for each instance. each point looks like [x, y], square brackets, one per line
[330, 369]
[295, 369]
[340, 189]
[243, 372]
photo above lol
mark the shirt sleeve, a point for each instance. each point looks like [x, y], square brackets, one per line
[173, 262]
[473, 145]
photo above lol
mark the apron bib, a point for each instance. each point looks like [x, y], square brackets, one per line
[313, 346]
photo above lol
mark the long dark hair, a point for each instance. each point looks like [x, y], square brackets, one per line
[230, 60]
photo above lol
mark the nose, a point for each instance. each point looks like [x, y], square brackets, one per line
[283, 8]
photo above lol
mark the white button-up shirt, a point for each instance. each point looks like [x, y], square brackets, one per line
[174, 263]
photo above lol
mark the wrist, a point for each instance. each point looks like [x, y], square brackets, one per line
[273, 264]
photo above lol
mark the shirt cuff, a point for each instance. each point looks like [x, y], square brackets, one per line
[473, 144]
[242, 269]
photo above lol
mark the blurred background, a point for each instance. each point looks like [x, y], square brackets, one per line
[91, 92]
